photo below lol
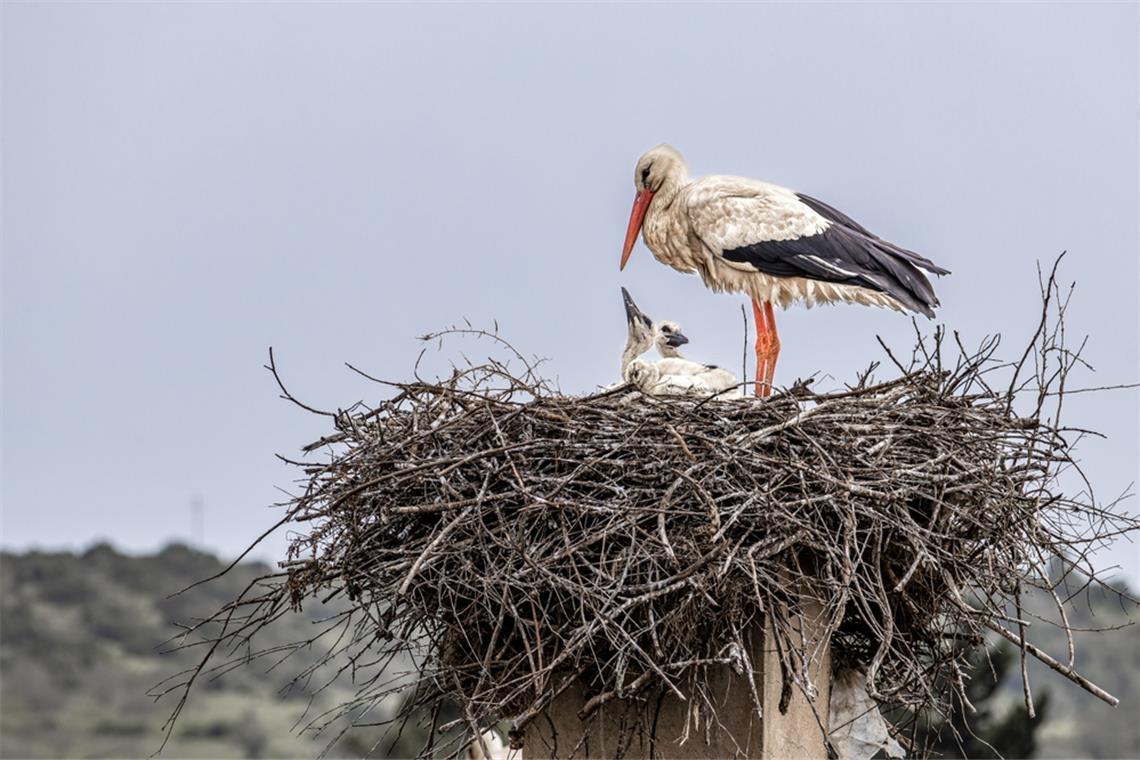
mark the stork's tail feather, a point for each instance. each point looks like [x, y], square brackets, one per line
[890, 269]
[914, 258]
[910, 285]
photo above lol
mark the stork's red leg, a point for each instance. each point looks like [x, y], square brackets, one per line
[773, 345]
[763, 344]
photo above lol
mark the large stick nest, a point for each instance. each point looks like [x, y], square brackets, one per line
[511, 539]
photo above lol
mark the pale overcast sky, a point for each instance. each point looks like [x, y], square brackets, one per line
[187, 184]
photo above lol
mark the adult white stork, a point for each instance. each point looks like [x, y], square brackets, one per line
[769, 243]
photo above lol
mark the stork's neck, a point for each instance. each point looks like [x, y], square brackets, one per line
[669, 352]
[677, 178]
[635, 346]
[661, 231]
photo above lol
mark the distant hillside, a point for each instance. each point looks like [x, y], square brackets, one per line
[1079, 725]
[79, 637]
[1074, 724]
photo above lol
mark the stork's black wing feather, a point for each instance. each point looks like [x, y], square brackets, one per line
[835, 216]
[844, 256]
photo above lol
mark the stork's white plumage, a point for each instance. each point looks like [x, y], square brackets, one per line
[769, 243]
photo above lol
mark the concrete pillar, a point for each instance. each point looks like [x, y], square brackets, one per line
[652, 727]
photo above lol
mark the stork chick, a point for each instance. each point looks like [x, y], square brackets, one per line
[669, 340]
[672, 375]
[640, 336]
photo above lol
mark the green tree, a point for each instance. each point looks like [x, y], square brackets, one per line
[994, 730]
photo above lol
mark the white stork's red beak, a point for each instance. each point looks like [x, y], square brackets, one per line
[636, 217]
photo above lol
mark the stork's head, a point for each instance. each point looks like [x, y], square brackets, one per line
[669, 338]
[658, 168]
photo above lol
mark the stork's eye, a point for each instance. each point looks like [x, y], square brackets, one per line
[666, 329]
[645, 177]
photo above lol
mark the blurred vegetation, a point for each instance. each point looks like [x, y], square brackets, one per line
[993, 729]
[1078, 724]
[80, 639]
[1070, 722]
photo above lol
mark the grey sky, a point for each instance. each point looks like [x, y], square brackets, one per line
[187, 184]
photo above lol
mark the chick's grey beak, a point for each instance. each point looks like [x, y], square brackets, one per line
[632, 313]
[676, 340]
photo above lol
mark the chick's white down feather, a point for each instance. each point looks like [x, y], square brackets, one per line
[673, 374]
[673, 363]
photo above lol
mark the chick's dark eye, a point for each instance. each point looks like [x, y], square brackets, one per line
[666, 329]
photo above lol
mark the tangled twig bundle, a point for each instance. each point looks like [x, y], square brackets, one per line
[511, 539]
